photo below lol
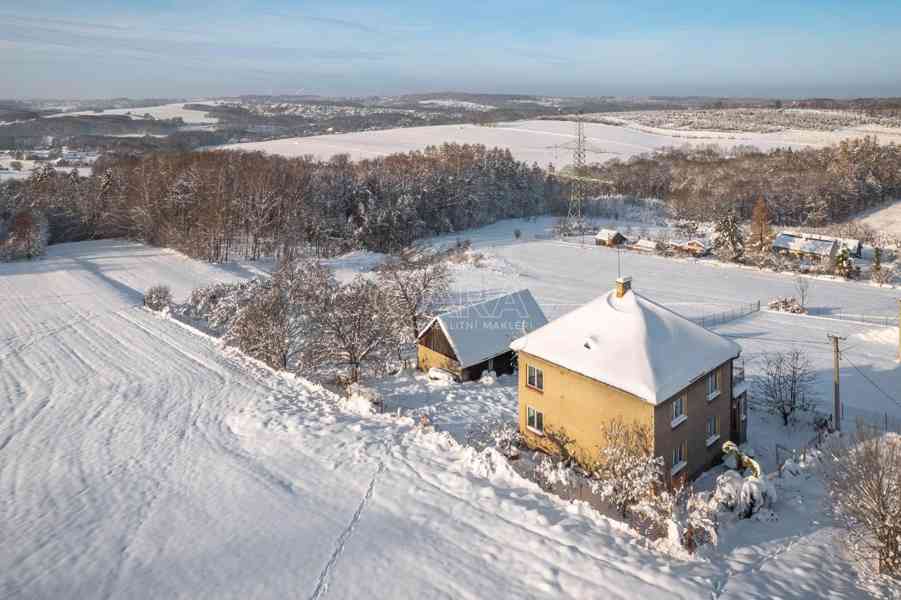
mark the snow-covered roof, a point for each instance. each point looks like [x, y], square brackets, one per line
[649, 245]
[690, 244]
[630, 343]
[851, 244]
[481, 331]
[805, 244]
[607, 234]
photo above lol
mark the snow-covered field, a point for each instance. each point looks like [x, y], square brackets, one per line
[140, 459]
[543, 142]
[164, 111]
[886, 219]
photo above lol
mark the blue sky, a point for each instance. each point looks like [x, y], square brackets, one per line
[156, 48]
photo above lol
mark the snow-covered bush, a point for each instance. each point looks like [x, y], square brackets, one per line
[441, 375]
[787, 304]
[744, 496]
[507, 439]
[553, 474]
[26, 236]
[488, 378]
[626, 470]
[158, 297]
[885, 275]
[218, 304]
[360, 394]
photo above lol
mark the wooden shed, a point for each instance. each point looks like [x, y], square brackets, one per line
[609, 237]
[476, 338]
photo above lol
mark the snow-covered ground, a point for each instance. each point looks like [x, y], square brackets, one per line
[164, 111]
[886, 219]
[543, 142]
[138, 458]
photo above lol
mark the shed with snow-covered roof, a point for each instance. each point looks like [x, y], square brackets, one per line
[476, 338]
[609, 237]
[625, 356]
[806, 246]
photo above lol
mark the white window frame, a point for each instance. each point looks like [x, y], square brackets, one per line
[680, 452]
[680, 416]
[530, 411]
[535, 374]
[714, 378]
[712, 436]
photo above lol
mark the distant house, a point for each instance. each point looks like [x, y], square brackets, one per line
[625, 356]
[855, 247]
[477, 338]
[609, 237]
[806, 246]
[644, 246]
[693, 247]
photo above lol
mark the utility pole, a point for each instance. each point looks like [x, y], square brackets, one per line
[836, 394]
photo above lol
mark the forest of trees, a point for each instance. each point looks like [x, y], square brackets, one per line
[811, 187]
[224, 205]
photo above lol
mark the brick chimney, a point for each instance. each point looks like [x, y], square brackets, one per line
[623, 285]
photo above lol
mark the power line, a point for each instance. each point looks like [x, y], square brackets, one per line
[871, 382]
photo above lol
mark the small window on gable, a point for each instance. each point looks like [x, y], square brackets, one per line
[535, 378]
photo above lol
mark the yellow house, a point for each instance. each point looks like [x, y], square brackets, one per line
[623, 355]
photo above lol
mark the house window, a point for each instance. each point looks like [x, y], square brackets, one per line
[535, 420]
[679, 415]
[713, 384]
[680, 458]
[713, 429]
[536, 378]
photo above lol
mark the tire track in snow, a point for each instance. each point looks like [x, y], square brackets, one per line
[322, 582]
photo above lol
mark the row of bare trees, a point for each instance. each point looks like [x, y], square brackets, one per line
[303, 319]
[224, 205]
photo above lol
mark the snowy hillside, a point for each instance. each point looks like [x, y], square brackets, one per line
[138, 458]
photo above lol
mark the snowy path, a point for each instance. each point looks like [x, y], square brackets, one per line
[137, 459]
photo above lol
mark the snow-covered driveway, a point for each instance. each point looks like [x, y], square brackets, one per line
[137, 459]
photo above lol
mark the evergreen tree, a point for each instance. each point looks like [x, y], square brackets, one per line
[730, 242]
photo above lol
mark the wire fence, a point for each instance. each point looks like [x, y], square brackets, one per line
[883, 320]
[718, 318]
[882, 421]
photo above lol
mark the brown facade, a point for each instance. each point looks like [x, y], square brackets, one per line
[703, 452]
[580, 405]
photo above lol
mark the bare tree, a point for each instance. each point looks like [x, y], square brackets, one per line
[626, 470]
[266, 330]
[863, 476]
[786, 385]
[349, 328]
[802, 285]
[415, 283]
